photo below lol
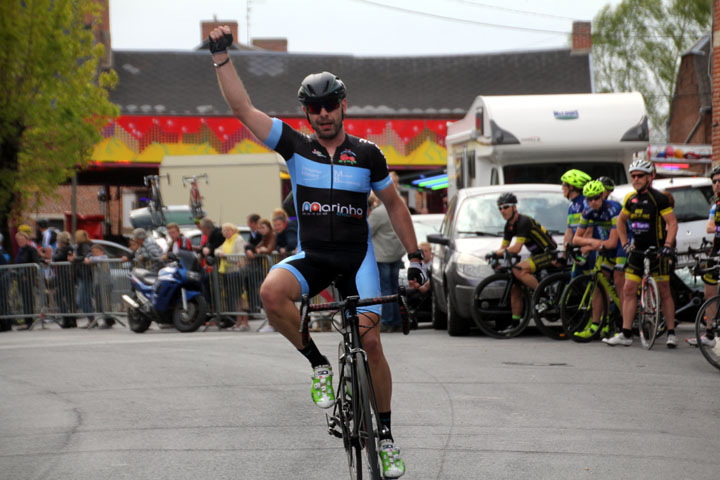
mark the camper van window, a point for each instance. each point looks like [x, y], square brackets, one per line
[479, 122]
[446, 227]
[459, 171]
[494, 180]
[471, 167]
[551, 172]
[691, 203]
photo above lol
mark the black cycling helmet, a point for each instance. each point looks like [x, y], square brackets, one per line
[318, 87]
[714, 171]
[507, 198]
[608, 183]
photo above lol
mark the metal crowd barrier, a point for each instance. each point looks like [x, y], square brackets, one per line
[63, 291]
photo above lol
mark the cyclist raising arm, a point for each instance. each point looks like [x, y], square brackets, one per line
[332, 174]
[647, 209]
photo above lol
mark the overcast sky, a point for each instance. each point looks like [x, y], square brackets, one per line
[358, 27]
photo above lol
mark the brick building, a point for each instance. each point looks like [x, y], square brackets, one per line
[170, 104]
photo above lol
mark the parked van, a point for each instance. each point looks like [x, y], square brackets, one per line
[536, 138]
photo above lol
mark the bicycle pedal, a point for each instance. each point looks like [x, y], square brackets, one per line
[333, 432]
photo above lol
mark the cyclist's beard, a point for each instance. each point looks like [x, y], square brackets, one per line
[325, 134]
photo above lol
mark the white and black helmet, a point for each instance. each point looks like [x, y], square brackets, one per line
[641, 163]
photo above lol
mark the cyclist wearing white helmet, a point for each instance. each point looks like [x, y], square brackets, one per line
[653, 224]
[711, 279]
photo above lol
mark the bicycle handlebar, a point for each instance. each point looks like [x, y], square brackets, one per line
[352, 302]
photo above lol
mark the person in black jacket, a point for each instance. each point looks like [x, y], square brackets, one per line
[212, 238]
[64, 279]
[83, 273]
[26, 278]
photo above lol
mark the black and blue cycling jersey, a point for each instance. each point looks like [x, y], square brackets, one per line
[331, 201]
[602, 221]
[331, 194]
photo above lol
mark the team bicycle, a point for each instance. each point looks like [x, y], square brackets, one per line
[612, 278]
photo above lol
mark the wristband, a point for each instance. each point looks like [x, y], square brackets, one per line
[416, 255]
[218, 65]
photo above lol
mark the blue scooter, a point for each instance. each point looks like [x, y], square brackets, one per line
[171, 296]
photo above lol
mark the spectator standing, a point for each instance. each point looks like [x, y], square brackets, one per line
[101, 280]
[149, 252]
[177, 240]
[229, 273]
[64, 280]
[26, 279]
[285, 233]
[133, 246]
[388, 255]
[83, 273]
[212, 238]
[46, 234]
[252, 223]
[259, 265]
[25, 228]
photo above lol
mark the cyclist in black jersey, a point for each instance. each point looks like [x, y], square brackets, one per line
[536, 239]
[650, 216]
[332, 174]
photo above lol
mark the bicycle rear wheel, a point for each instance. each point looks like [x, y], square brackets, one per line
[649, 312]
[709, 312]
[576, 309]
[546, 305]
[365, 418]
[491, 307]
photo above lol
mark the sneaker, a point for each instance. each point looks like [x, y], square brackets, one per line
[267, 329]
[588, 332]
[392, 465]
[619, 339]
[322, 391]
[510, 328]
[672, 341]
[704, 339]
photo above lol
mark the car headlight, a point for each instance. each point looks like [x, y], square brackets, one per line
[471, 266]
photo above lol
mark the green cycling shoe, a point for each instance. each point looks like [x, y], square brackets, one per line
[322, 391]
[588, 332]
[392, 465]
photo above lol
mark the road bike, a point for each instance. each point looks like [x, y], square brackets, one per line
[576, 303]
[709, 312]
[355, 417]
[195, 197]
[491, 307]
[547, 295]
[156, 205]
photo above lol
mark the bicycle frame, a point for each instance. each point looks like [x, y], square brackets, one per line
[355, 417]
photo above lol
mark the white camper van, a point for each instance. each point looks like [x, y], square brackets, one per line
[536, 138]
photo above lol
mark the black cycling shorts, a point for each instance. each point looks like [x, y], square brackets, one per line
[659, 268]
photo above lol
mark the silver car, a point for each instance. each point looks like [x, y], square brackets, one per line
[472, 228]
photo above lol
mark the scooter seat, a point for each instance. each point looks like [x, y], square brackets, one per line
[145, 276]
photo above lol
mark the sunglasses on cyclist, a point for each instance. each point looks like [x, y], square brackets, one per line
[717, 180]
[596, 197]
[637, 175]
[316, 108]
[505, 207]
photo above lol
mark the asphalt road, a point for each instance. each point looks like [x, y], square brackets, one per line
[226, 405]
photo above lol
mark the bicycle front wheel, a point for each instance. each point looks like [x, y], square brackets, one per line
[546, 305]
[492, 309]
[576, 307]
[345, 412]
[649, 312]
[709, 313]
[365, 417]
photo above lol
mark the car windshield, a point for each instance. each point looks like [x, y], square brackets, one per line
[691, 203]
[479, 215]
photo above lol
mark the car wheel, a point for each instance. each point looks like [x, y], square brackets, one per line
[456, 325]
[438, 317]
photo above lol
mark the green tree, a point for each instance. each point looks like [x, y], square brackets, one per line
[637, 47]
[53, 98]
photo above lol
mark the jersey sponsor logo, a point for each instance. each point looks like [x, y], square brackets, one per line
[348, 157]
[640, 226]
[310, 174]
[318, 153]
[344, 179]
[320, 209]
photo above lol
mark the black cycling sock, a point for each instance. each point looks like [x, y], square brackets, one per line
[671, 332]
[384, 418]
[627, 332]
[312, 353]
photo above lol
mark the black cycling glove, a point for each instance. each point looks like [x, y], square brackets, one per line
[666, 251]
[222, 44]
[628, 247]
[418, 272]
